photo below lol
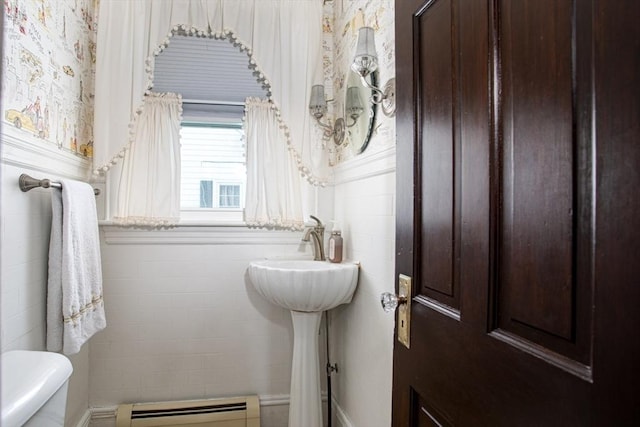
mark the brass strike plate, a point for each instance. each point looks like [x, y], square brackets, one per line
[404, 310]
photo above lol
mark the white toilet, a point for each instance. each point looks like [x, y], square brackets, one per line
[34, 388]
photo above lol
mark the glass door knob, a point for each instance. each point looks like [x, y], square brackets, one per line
[391, 301]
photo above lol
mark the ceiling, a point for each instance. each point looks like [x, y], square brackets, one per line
[206, 69]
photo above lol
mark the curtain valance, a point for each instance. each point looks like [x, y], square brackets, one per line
[282, 39]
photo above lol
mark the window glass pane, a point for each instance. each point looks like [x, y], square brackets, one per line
[213, 157]
[229, 196]
[206, 194]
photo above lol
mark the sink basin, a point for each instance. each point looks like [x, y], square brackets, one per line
[304, 285]
[306, 288]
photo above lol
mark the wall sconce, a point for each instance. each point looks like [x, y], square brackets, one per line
[364, 63]
[318, 109]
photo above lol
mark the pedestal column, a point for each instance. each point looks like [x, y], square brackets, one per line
[305, 405]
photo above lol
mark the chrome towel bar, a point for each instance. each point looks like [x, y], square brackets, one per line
[27, 183]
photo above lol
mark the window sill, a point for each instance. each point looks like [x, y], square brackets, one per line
[182, 223]
[198, 233]
[212, 217]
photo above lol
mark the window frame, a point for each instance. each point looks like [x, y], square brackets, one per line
[216, 215]
[239, 185]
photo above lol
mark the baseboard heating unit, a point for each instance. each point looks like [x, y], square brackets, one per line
[231, 412]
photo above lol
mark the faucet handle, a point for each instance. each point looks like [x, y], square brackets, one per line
[316, 220]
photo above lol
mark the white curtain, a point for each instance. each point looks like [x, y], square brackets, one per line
[273, 187]
[149, 188]
[282, 40]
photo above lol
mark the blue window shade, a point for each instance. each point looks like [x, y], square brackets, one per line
[206, 194]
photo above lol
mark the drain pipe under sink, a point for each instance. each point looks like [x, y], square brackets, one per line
[330, 368]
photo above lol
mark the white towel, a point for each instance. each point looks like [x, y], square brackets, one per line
[75, 309]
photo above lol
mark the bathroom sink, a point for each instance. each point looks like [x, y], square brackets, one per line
[304, 285]
[306, 288]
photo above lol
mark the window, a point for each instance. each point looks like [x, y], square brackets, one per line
[213, 152]
[206, 194]
[229, 196]
[213, 171]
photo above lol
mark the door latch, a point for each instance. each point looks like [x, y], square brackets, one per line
[402, 302]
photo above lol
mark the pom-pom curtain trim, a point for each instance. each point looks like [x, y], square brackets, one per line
[304, 169]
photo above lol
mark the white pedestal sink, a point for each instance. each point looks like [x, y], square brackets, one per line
[307, 288]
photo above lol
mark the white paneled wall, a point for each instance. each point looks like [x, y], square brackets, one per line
[362, 333]
[26, 222]
[184, 322]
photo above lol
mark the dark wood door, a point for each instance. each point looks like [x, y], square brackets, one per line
[518, 216]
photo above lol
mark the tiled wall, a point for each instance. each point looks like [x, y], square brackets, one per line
[26, 221]
[361, 332]
[184, 322]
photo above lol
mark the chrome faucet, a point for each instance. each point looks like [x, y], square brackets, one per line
[316, 232]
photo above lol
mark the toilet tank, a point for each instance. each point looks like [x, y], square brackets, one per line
[34, 388]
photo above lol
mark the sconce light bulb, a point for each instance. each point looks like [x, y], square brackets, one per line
[364, 65]
[317, 111]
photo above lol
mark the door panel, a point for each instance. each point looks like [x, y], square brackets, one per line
[438, 100]
[540, 177]
[426, 416]
[502, 180]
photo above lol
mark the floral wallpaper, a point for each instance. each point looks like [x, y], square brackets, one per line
[342, 20]
[48, 72]
[49, 68]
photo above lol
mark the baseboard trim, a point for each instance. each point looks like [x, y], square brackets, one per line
[341, 416]
[85, 419]
[274, 399]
